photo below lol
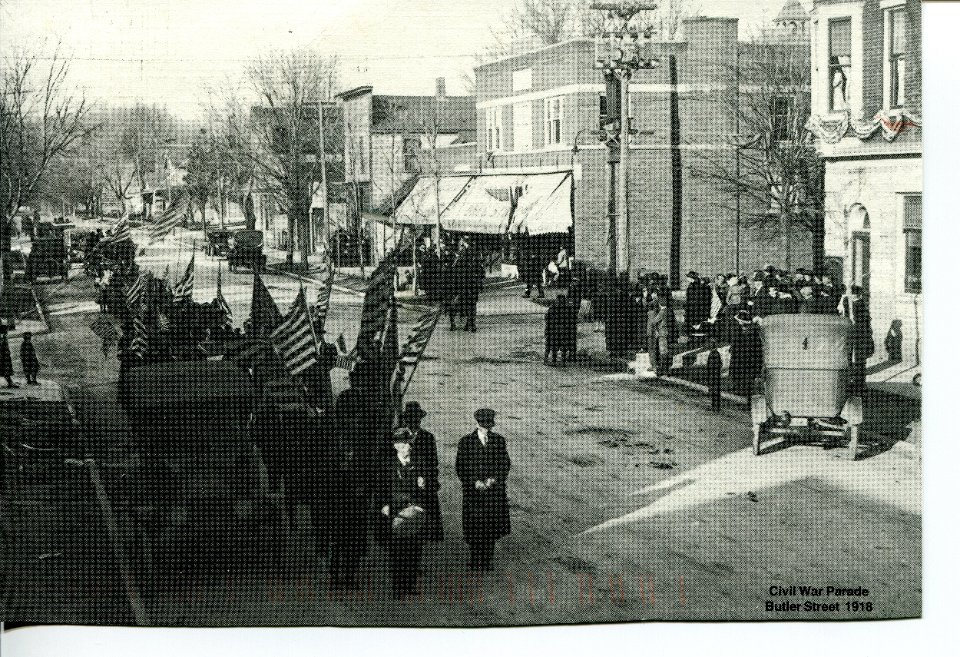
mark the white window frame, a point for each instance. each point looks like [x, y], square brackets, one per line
[888, 10]
[522, 126]
[552, 137]
[820, 62]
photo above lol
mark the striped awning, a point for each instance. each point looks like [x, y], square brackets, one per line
[493, 204]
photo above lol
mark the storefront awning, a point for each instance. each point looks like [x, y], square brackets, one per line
[496, 204]
[420, 205]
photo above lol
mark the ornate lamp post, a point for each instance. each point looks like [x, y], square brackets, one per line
[621, 48]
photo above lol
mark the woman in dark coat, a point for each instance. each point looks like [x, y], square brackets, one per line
[746, 353]
[405, 514]
[482, 466]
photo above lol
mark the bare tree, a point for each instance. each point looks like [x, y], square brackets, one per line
[287, 129]
[770, 169]
[537, 23]
[41, 119]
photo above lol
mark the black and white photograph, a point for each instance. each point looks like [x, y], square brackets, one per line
[424, 314]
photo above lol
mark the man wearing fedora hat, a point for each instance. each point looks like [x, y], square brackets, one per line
[482, 466]
[423, 453]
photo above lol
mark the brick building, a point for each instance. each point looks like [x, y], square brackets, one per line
[537, 112]
[866, 113]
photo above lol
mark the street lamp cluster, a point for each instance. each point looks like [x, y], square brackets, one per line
[622, 47]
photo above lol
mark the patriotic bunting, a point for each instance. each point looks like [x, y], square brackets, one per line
[294, 339]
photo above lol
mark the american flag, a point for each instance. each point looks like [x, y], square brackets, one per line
[345, 359]
[294, 339]
[138, 341]
[135, 291]
[219, 301]
[183, 291]
[322, 306]
[121, 232]
[376, 305]
[413, 348]
[167, 220]
[163, 322]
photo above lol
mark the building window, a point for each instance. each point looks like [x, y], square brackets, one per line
[410, 147]
[553, 114]
[913, 244]
[523, 126]
[839, 38]
[523, 80]
[603, 111]
[494, 129]
[780, 114]
[897, 62]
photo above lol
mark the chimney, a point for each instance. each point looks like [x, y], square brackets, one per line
[441, 88]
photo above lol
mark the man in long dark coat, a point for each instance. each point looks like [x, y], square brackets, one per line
[482, 466]
[857, 309]
[697, 304]
[6, 361]
[424, 455]
[469, 272]
[746, 353]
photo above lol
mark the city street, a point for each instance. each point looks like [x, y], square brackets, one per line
[630, 498]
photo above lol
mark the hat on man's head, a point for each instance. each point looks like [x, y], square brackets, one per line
[412, 410]
[692, 274]
[743, 317]
[484, 415]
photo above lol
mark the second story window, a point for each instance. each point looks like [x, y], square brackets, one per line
[780, 117]
[839, 38]
[494, 124]
[410, 147]
[897, 61]
[553, 115]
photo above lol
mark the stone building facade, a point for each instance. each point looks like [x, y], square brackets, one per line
[866, 113]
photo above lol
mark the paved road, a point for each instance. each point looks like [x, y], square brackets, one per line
[630, 500]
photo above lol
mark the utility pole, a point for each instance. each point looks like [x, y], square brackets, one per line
[620, 52]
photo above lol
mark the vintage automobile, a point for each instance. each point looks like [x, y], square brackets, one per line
[49, 251]
[806, 381]
[38, 426]
[247, 251]
[197, 480]
[218, 243]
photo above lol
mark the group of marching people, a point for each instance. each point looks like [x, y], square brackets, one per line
[369, 477]
[453, 279]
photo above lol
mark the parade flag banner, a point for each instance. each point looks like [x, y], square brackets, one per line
[264, 314]
[135, 291]
[294, 339]
[168, 220]
[412, 351]
[138, 340]
[322, 306]
[376, 304]
[183, 291]
[121, 232]
[219, 301]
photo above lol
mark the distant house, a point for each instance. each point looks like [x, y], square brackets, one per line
[866, 114]
[389, 140]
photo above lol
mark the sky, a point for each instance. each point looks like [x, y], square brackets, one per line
[178, 52]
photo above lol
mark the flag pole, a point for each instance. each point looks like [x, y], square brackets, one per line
[316, 344]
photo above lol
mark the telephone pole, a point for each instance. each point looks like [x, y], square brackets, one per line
[621, 49]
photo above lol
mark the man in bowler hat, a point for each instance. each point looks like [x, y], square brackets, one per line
[482, 466]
